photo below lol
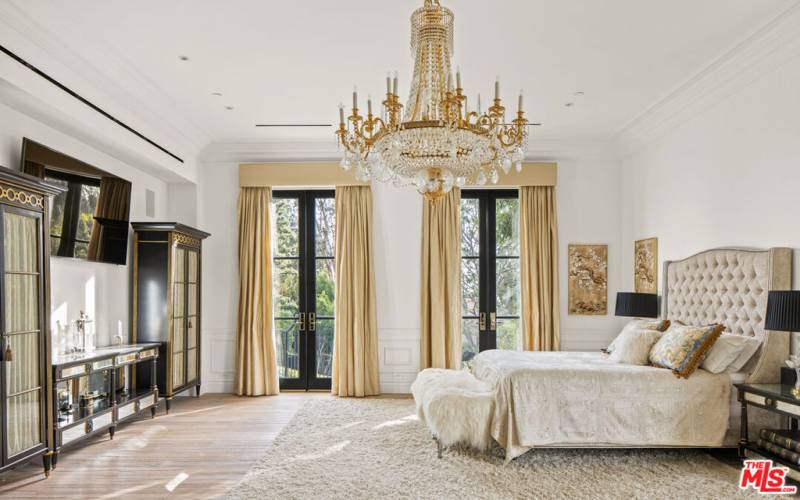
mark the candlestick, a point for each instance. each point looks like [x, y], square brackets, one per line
[520, 101]
[341, 114]
[389, 83]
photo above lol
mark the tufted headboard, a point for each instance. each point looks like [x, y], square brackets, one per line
[729, 286]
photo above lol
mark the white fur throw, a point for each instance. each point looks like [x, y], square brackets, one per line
[456, 407]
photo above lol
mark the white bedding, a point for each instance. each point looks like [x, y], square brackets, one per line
[583, 399]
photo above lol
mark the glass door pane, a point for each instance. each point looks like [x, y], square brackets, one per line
[192, 315]
[179, 318]
[323, 306]
[21, 332]
[470, 278]
[507, 292]
[286, 283]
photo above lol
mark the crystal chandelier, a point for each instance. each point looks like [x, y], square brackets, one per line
[435, 142]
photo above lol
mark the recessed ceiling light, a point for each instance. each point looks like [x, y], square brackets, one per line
[229, 108]
[579, 93]
[183, 58]
[569, 104]
[217, 94]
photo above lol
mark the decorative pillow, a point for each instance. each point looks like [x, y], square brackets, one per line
[632, 346]
[641, 324]
[726, 351]
[682, 348]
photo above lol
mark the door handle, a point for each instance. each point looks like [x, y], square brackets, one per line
[9, 355]
[482, 322]
[493, 321]
[301, 318]
[312, 322]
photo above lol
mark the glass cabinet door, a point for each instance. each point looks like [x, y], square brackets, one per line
[22, 331]
[192, 315]
[178, 318]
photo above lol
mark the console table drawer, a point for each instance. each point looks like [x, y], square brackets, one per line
[147, 401]
[102, 421]
[73, 433]
[126, 410]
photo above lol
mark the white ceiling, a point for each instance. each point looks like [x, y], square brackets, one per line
[294, 61]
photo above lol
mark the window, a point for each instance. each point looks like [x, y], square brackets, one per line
[489, 271]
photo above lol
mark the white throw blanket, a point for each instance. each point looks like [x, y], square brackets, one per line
[582, 399]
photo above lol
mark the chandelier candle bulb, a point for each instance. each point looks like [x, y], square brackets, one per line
[389, 83]
[458, 78]
[341, 114]
[520, 101]
[395, 84]
[355, 98]
[369, 105]
[497, 89]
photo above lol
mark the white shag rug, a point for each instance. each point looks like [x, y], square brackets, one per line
[376, 448]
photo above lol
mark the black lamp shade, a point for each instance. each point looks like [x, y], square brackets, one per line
[783, 311]
[637, 305]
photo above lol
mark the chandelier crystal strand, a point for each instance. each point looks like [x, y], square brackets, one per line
[433, 143]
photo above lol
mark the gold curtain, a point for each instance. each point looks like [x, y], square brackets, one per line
[114, 202]
[538, 245]
[256, 368]
[441, 283]
[355, 351]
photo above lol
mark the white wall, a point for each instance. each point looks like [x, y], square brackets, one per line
[102, 290]
[589, 208]
[727, 175]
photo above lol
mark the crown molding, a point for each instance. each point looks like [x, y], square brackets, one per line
[768, 48]
[327, 150]
[131, 95]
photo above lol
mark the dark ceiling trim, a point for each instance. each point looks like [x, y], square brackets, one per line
[293, 125]
[86, 102]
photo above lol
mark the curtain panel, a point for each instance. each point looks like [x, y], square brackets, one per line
[441, 283]
[538, 232]
[256, 367]
[355, 353]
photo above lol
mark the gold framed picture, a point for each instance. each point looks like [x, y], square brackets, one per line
[645, 266]
[588, 280]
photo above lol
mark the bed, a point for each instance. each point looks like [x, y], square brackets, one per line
[581, 399]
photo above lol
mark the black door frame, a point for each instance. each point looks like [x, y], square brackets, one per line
[487, 261]
[307, 379]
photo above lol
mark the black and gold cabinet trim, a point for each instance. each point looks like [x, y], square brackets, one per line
[166, 303]
[25, 350]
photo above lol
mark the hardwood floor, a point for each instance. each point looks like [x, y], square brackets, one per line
[201, 449]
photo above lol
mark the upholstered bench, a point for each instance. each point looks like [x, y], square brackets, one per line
[456, 407]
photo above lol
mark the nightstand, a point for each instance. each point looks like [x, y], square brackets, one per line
[775, 398]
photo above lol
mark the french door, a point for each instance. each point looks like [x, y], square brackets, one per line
[489, 271]
[303, 284]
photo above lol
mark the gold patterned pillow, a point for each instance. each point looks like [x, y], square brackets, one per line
[660, 325]
[682, 348]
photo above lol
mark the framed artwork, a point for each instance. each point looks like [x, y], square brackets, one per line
[588, 280]
[645, 266]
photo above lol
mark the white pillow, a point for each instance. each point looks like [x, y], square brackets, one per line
[751, 345]
[726, 352]
[633, 345]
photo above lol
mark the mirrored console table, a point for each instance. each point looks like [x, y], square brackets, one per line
[95, 391]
